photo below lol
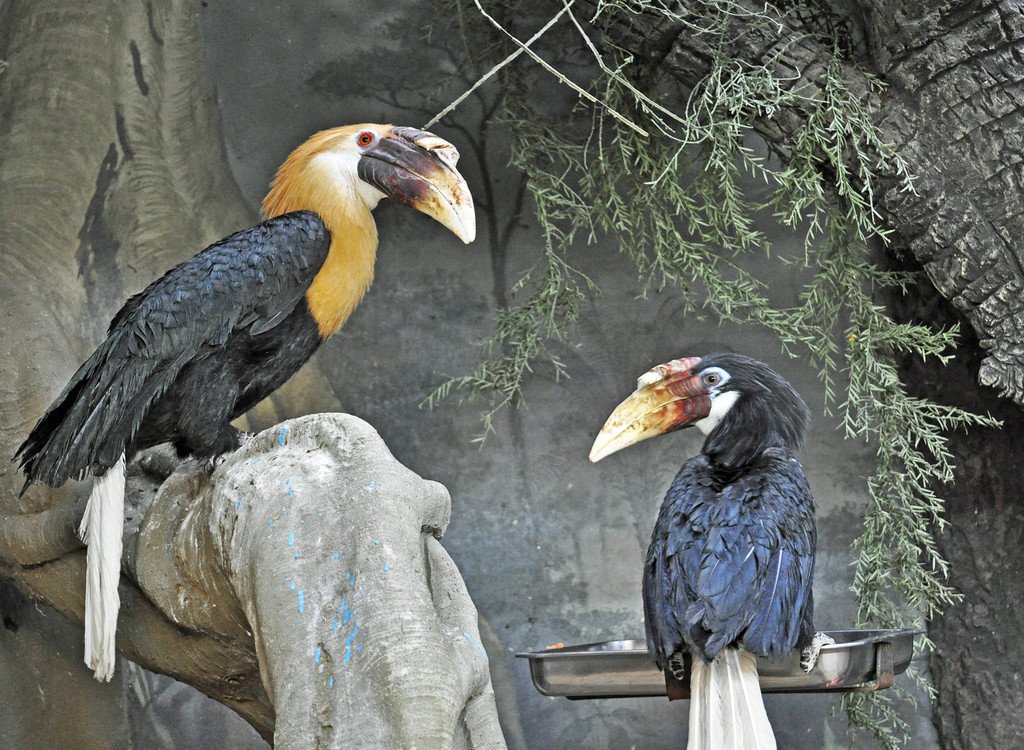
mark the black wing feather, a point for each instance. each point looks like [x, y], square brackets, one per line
[667, 593]
[249, 281]
[731, 563]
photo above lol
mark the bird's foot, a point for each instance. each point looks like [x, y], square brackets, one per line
[677, 667]
[159, 462]
[239, 439]
[809, 656]
[210, 464]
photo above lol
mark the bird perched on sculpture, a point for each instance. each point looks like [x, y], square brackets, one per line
[220, 332]
[728, 571]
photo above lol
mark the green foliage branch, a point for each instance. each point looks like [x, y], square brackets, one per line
[666, 186]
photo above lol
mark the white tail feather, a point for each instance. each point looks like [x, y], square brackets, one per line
[726, 709]
[101, 529]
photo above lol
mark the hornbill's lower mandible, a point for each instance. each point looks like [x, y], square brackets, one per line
[728, 572]
[215, 335]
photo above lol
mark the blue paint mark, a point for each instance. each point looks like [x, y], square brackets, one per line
[344, 612]
[291, 538]
[238, 504]
[288, 481]
[330, 681]
[336, 554]
[281, 434]
[376, 541]
[334, 625]
[295, 556]
[291, 492]
[319, 514]
[292, 587]
[371, 486]
[302, 602]
[270, 522]
[351, 578]
[359, 647]
[316, 655]
[477, 646]
[386, 568]
[348, 642]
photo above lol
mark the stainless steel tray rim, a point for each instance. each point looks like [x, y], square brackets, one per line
[860, 660]
[580, 649]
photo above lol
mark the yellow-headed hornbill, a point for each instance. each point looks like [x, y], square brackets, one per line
[218, 333]
[729, 568]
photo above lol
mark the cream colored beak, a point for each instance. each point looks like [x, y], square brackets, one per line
[667, 398]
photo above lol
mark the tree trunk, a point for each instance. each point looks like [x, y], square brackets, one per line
[976, 662]
[955, 77]
[112, 171]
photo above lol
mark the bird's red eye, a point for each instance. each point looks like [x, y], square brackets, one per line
[366, 138]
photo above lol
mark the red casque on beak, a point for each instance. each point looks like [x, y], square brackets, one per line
[668, 397]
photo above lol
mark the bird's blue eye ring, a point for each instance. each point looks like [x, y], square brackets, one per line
[714, 377]
[366, 138]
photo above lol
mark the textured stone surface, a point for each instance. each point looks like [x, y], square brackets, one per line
[314, 537]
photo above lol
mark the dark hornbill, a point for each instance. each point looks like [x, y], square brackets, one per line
[729, 568]
[218, 333]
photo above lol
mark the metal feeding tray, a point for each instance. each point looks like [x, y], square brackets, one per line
[860, 660]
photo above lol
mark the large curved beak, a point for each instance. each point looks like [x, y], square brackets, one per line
[668, 397]
[418, 169]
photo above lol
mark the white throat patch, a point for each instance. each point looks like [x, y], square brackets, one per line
[720, 406]
[340, 169]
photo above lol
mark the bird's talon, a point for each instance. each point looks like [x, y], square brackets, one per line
[809, 656]
[677, 667]
[157, 463]
[213, 462]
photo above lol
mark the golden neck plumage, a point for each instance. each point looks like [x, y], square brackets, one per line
[301, 185]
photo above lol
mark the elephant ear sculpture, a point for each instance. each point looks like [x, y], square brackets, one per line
[316, 549]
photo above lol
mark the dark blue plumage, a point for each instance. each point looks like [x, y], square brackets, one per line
[731, 559]
[195, 349]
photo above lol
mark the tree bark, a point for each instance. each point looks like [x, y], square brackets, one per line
[112, 171]
[975, 665]
[953, 105]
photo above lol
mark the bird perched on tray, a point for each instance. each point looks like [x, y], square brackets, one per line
[729, 568]
[218, 333]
